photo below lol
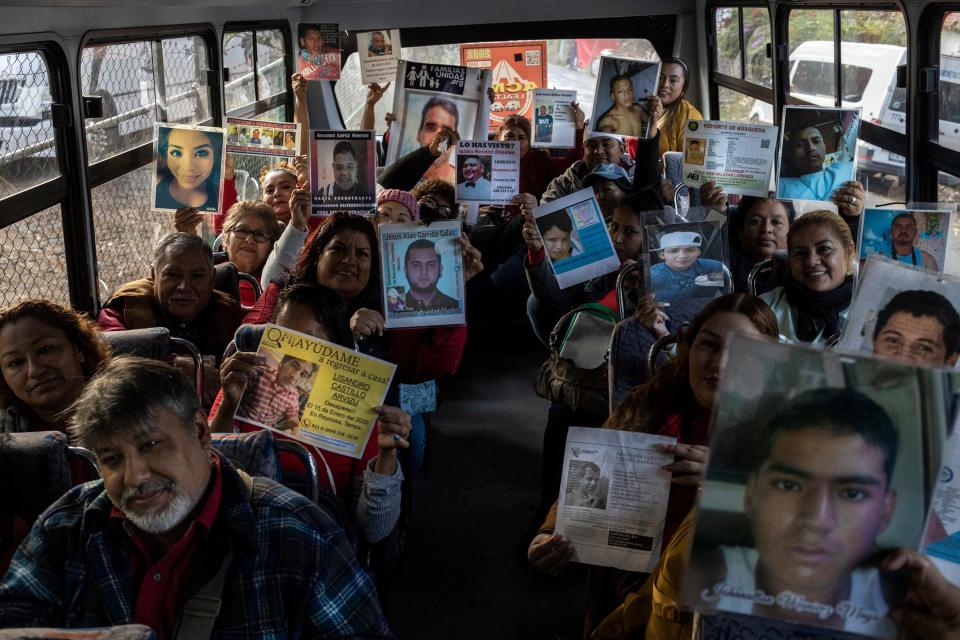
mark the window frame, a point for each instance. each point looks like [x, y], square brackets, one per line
[130, 160]
[61, 190]
[931, 157]
[260, 105]
[717, 79]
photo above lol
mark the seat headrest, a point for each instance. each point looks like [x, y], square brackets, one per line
[151, 343]
[34, 471]
[225, 279]
[253, 452]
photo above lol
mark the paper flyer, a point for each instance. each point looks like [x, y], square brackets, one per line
[342, 172]
[613, 497]
[422, 273]
[904, 312]
[318, 52]
[189, 168]
[379, 55]
[487, 172]
[553, 123]
[517, 68]
[429, 97]
[262, 138]
[738, 157]
[575, 238]
[316, 391]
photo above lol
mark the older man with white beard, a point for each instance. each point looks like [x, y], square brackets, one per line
[176, 538]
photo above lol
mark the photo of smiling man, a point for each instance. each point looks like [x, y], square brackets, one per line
[682, 270]
[273, 399]
[342, 167]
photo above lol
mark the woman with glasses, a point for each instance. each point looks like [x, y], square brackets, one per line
[249, 231]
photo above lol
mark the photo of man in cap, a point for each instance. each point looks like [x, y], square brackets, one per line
[683, 274]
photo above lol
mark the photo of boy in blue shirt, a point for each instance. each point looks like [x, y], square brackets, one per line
[683, 274]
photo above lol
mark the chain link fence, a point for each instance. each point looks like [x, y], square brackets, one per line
[32, 259]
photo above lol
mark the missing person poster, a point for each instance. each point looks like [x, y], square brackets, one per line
[342, 171]
[517, 68]
[379, 53]
[685, 266]
[189, 168]
[738, 157]
[487, 172]
[318, 54]
[423, 282]
[621, 99]
[819, 464]
[430, 97]
[941, 535]
[613, 497]
[575, 238]
[914, 237]
[553, 122]
[902, 312]
[316, 391]
[262, 138]
[818, 152]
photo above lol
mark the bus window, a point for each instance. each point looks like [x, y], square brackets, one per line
[756, 36]
[949, 125]
[244, 50]
[27, 149]
[571, 64]
[739, 107]
[33, 262]
[811, 36]
[727, 60]
[948, 187]
[133, 97]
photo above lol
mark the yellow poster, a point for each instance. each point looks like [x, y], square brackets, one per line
[316, 391]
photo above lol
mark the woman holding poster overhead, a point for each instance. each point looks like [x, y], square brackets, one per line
[812, 305]
[677, 401]
[672, 91]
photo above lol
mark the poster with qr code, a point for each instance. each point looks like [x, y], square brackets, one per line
[738, 157]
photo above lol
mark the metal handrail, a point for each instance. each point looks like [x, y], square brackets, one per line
[194, 353]
[621, 280]
[297, 449]
[87, 456]
[757, 269]
[662, 343]
[253, 282]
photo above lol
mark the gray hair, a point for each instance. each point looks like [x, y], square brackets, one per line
[125, 396]
[179, 242]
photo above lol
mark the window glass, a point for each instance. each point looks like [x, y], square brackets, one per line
[185, 67]
[125, 76]
[873, 43]
[238, 61]
[727, 22]
[738, 107]
[126, 228]
[571, 64]
[27, 147]
[271, 72]
[948, 187]
[756, 36]
[811, 38]
[882, 174]
[948, 132]
[33, 262]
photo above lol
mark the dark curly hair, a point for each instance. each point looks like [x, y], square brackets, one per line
[305, 269]
[78, 329]
[647, 406]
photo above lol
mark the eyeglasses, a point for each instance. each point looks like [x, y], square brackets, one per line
[441, 210]
[242, 233]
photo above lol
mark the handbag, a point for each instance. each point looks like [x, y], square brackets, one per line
[575, 375]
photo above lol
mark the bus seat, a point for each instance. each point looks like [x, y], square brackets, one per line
[673, 171]
[629, 347]
[83, 465]
[156, 343]
[122, 632]
[768, 274]
[253, 452]
[658, 349]
[629, 281]
[228, 279]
